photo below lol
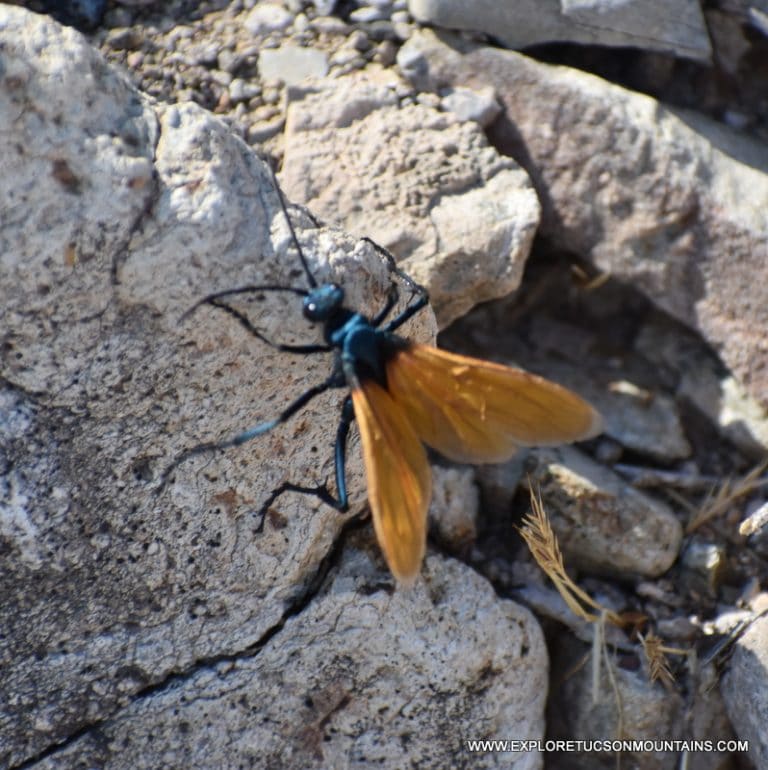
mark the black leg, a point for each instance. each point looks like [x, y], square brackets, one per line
[252, 289]
[321, 492]
[340, 452]
[392, 298]
[340, 503]
[217, 300]
[407, 314]
[418, 292]
[335, 380]
[251, 329]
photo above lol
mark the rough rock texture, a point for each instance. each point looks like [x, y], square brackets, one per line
[626, 704]
[704, 382]
[425, 185]
[745, 689]
[602, 523]
[653, 197]
[662, 25]
[120, 216]
[361, 677]
[159, 627]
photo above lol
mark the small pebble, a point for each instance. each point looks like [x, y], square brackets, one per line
[468, 104]
[260, 132]
[241, 90]
[267, 17]
[402, 30]
[428, 100]
[358, 40]
[207, 55]
[222, 78]
[367, 14]
[330, 25]
[135, 59]
[229, 61]
[123, 39]
[325, 7]
[292, 64]
[386, 53]
[270, 95]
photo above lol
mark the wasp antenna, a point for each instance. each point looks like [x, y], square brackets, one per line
[208, 300]
[310, 278]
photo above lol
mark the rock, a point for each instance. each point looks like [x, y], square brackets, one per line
[701, 380]
[466, 104]
[647, 712]
[643, 422]
[603, 524]
[547, 602]
[654, 197]
[745, 689]
[120, 217]
[292, 65]
[241, 90]
[674, 26]
[267, 17]
[360, 676]
[324, 7]
[454, 506]
[458, 217]
[367, 14]
[703, 564]
[723, 399]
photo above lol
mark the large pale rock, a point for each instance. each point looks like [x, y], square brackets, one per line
[675, 26]
[419, 181]
[142, 612]
[670, 202]
[358, 677]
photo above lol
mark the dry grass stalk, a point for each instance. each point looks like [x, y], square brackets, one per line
[719, 501]
[655, 654]
[542, 543]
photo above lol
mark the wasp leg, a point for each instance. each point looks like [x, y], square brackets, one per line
[215, 300]
[419, 294]
[340, 503]
[335, 380]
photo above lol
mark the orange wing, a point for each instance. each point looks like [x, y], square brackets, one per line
[399, 479]
[479, 412]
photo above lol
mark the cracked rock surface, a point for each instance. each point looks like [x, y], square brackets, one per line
[136, 615]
